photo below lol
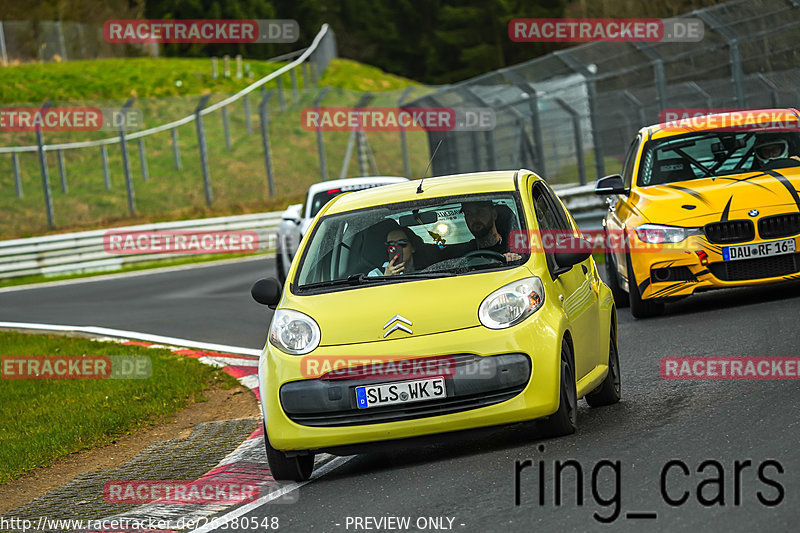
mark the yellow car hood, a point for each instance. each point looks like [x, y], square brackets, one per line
[359, 314]
[700, 201]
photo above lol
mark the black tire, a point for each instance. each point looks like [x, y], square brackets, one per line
[283, 468]
[279, 267]
[641, 308]
[610, 390]
[620, 296]
[565, 420]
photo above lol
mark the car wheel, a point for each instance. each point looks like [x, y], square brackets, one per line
[610, 390]
[279, 267]
[620, 296]
[565, 420]
[284, 468]
[641, 308]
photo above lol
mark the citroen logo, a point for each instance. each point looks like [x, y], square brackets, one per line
[396, 322]
[753, 212]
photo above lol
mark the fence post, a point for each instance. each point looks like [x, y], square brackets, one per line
[143, 159]
[3, 53]
[226, 127]
[238, 65]
[264, 114]
[578, 134]
[48, 200]
[62, 172]
[15, 164]
[533, 104]
[281, 100]
[214, 68]
[201, 144]
[732, 39]
[295, 95]
[403, 140]
[773, 89]
[176, 154]
[247, 123]
[104, 158]
[226, 66]
[639, 107]
[320, 147]
[126, 164]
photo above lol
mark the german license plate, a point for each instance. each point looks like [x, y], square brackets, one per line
[400, 392]
[762, 249]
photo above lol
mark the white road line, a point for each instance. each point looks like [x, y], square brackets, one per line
[218, 522]
[158, 339]
[136, 273]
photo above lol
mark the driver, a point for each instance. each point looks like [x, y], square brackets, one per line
[771, 146]
[481, 219]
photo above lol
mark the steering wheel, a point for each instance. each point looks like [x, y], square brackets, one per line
[489, 253]
[782, 162]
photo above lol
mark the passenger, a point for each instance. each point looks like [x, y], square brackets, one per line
[403, 263]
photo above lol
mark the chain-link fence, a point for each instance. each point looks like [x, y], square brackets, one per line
[572, 114]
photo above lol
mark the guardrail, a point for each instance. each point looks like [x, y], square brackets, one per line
[69, 253]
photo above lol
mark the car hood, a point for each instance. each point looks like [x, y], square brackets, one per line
[366, 313]
[700, 201]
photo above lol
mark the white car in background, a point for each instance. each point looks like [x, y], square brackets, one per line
[297, 217]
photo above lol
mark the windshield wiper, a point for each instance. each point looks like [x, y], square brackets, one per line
[355, 279]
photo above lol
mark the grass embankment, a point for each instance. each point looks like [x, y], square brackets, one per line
[42, 420]
[238, 176]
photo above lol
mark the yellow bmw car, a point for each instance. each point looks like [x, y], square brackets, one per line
[705, 203]
[408, 312]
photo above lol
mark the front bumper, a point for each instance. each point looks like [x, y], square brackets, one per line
[525, 387]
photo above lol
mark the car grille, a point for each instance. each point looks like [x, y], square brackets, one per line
[730, 231]
[777, 226]
[759, 268]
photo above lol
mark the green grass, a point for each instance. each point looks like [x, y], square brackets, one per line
[42, 420]
[238, 176]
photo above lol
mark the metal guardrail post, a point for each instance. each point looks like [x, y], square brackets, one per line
[226, 127]
[281, 99]
[126, 164]
[143, 160]
[323, 168]
[104, 159]
[62, 172]
[48, 200]
[263, 111]
[248, 124]
[15, 164]
[295, 95]
[201, 144]
[176, 154]
[578, 134]
[403, 139]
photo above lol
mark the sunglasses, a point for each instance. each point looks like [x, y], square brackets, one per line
[403, 243]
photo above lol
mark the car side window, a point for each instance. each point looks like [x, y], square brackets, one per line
[630, 162]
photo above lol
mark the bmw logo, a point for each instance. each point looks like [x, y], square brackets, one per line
[753, 212]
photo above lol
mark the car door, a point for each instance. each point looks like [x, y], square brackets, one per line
[578, 297]
[619, 210]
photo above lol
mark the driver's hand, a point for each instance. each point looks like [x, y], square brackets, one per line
[795, 157]
[392, 269]
[511, 256]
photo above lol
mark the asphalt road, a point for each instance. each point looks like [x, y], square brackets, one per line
[471, 479]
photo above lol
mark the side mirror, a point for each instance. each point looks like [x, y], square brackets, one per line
[612, 184]
[267, 292]
[294, 213]
[566, 260]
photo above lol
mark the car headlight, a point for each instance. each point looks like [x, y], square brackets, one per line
[658, 234]
[512, 303]
[294, 332]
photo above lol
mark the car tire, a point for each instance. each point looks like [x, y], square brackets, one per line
[284, 468]
[641, 308]
[565, 420]
[279, 267]
[620, 296]
[610, 390]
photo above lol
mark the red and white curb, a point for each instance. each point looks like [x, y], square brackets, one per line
[246, 464]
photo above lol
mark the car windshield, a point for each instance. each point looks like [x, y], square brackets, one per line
[355, 247]
[710, 154]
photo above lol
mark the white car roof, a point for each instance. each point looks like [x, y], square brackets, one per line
[358, 182]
